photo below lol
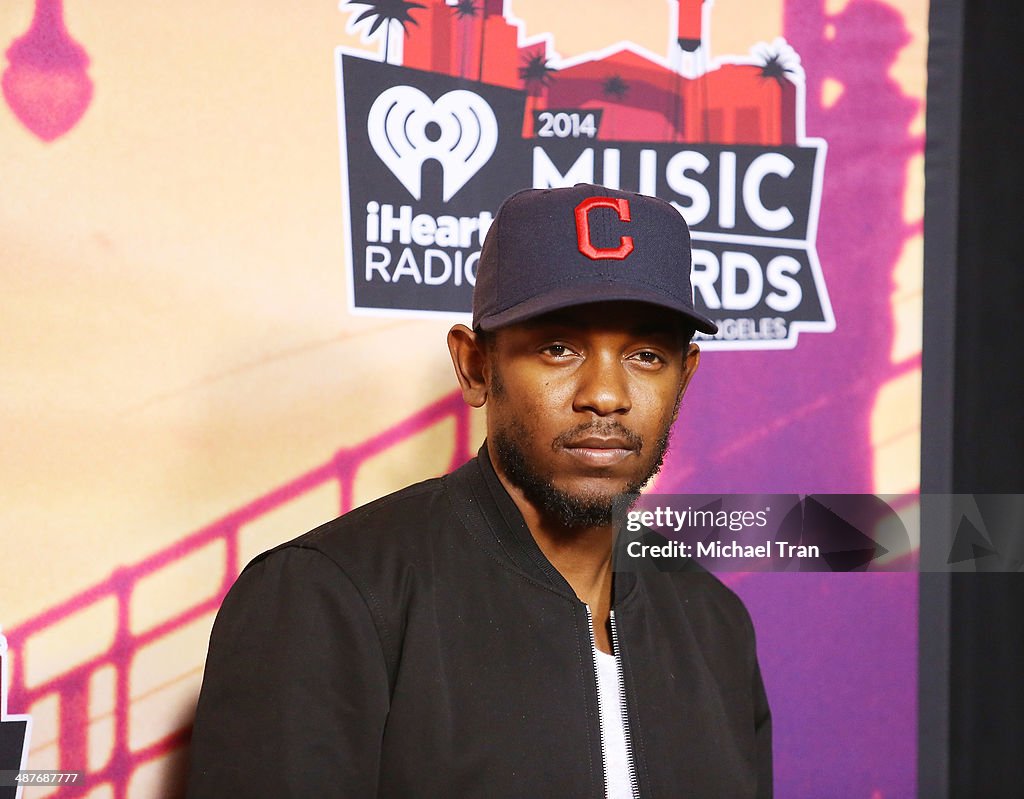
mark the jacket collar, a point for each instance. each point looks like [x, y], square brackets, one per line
[486, 507]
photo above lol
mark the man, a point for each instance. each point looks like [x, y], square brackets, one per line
[467, 636]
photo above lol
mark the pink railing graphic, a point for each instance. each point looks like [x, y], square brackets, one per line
[71, 697]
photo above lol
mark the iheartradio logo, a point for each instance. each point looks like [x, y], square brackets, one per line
[458, 130]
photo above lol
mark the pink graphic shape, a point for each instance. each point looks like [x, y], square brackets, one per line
[72, 687]
[46, 83]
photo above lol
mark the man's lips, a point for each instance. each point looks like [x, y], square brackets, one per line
[598, 451]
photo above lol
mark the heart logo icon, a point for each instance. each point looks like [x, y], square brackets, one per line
[458, 131]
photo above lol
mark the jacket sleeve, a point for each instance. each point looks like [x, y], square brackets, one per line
[295, 692]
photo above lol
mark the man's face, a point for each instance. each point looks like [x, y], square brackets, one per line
[581, 403]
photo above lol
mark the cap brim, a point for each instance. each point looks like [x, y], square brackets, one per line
[570, 296]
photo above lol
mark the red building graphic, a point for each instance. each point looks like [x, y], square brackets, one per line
[642, 97]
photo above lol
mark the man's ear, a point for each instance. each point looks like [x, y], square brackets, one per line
[690, 363]
[470, 361]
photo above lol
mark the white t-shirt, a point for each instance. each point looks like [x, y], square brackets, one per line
[613, 732]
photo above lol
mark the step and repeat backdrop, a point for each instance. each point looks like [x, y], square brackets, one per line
[234, 236]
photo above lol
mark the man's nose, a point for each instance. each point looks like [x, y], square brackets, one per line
[603, 386]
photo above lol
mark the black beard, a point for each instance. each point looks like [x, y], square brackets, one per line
[572, 511]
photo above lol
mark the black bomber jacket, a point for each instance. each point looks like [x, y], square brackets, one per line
[423, 646]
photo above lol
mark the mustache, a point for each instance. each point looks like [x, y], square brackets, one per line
[606, 430]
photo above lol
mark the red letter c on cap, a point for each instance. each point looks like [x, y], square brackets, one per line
[621, 207]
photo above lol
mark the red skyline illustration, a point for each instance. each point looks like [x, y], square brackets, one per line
[750, 100]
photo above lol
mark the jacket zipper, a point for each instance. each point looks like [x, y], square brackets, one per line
[634, 786]
[630, 768]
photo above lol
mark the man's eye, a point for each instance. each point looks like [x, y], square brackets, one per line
[646, 356]
[556, 350]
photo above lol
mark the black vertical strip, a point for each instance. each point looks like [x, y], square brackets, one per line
[942, 174]
[945, 40]
[987, 633]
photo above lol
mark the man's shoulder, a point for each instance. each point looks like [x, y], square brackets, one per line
[402, 512]
[394, 526]
[709, 603]
[706, 588]
[717, 614]
[691, 584]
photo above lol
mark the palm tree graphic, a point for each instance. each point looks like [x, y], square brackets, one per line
[483, 36]
[386, 12]
[536, 76]
[774, 67]
[614, 88]
[536, 73]
[464, 9]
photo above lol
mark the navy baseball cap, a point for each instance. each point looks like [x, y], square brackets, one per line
[554, 248]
